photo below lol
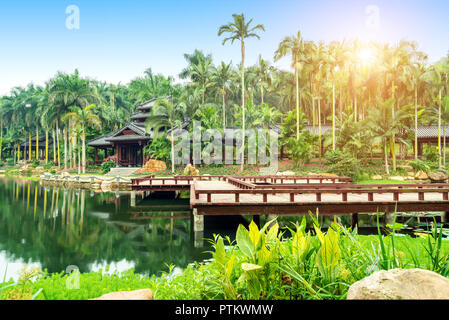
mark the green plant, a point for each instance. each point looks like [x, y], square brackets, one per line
[419, 165]
[159, 149]
[106, 166]
[342, 163]
[36, 163]
[430, 153]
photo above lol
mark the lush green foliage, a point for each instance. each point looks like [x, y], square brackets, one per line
[106, 166]
[343, 163]
[266, 263]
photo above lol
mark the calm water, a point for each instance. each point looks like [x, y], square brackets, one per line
[55, 228]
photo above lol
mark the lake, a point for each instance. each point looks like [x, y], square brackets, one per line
[59, 229]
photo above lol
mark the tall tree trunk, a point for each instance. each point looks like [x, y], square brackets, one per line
[387, 171]
[297, 99]
[79, 160]
[416, 123]
[243, 105]
[439, 129]
[65, 147]
[37, 144]
[319, 122]
[54, 147]
[84, 150]
[393, 141]
[333, 114]
[172, 150]
[224, 108]
[46, 146]
[261, 91]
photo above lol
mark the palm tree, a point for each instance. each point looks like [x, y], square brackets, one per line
[384, 126]
[67, 91]
[264, 74]
[201, 72]
[240, 30]
[438, 76]
[413, 78]
[295, 46]
[83, 117]
[166, 114]
[221, 76]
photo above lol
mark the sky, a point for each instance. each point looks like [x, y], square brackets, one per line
[116, 41]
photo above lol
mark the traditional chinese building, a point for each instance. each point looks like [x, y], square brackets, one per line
[128, 142]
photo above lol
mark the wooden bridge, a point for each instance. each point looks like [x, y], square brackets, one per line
[297, 195]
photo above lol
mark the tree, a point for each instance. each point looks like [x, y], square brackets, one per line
[83, 117]
[221, 77]
[295, 47]
[166, 114]
[240, 30]
[438, 76]
[384, 126]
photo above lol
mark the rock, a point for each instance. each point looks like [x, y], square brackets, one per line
[421, 175]
[191, 171]
[142, 294]
[328, 174]
[396, 284]
[438, 176]
[376, 177]
[154, 166]
[397, 178]
[285, 173]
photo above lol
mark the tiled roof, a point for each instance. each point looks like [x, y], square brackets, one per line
[129, 137]
[431, 131]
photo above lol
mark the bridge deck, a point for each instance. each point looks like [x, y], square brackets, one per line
[225, 195]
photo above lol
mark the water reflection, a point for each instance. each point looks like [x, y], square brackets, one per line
[55, 228]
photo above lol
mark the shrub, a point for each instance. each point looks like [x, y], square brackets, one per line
[48, 165]
[430, 154]
[2, 164]
[343, 164]
[106, 166]
[418, 165]
[36, 163]
[10, 161]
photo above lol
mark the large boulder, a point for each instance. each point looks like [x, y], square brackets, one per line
[438, 176]
[398, 284]
[399, 178]
[376, 177]
[190, 170]
[154, 166]
[421, 175]
[142, 294]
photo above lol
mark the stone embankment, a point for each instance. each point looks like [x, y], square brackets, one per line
[99, 183]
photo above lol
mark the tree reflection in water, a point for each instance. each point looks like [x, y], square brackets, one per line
[59, 227]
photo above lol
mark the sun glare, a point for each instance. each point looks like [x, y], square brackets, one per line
[366, 56]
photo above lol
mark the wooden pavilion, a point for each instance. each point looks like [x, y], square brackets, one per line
[128, 142]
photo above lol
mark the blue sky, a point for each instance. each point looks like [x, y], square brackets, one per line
[118, 40]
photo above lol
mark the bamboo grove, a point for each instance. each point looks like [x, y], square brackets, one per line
[368, 92]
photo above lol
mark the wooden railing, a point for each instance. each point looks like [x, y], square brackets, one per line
[377, 189]
[243, 182]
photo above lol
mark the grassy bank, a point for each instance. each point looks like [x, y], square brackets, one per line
[261, 264]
